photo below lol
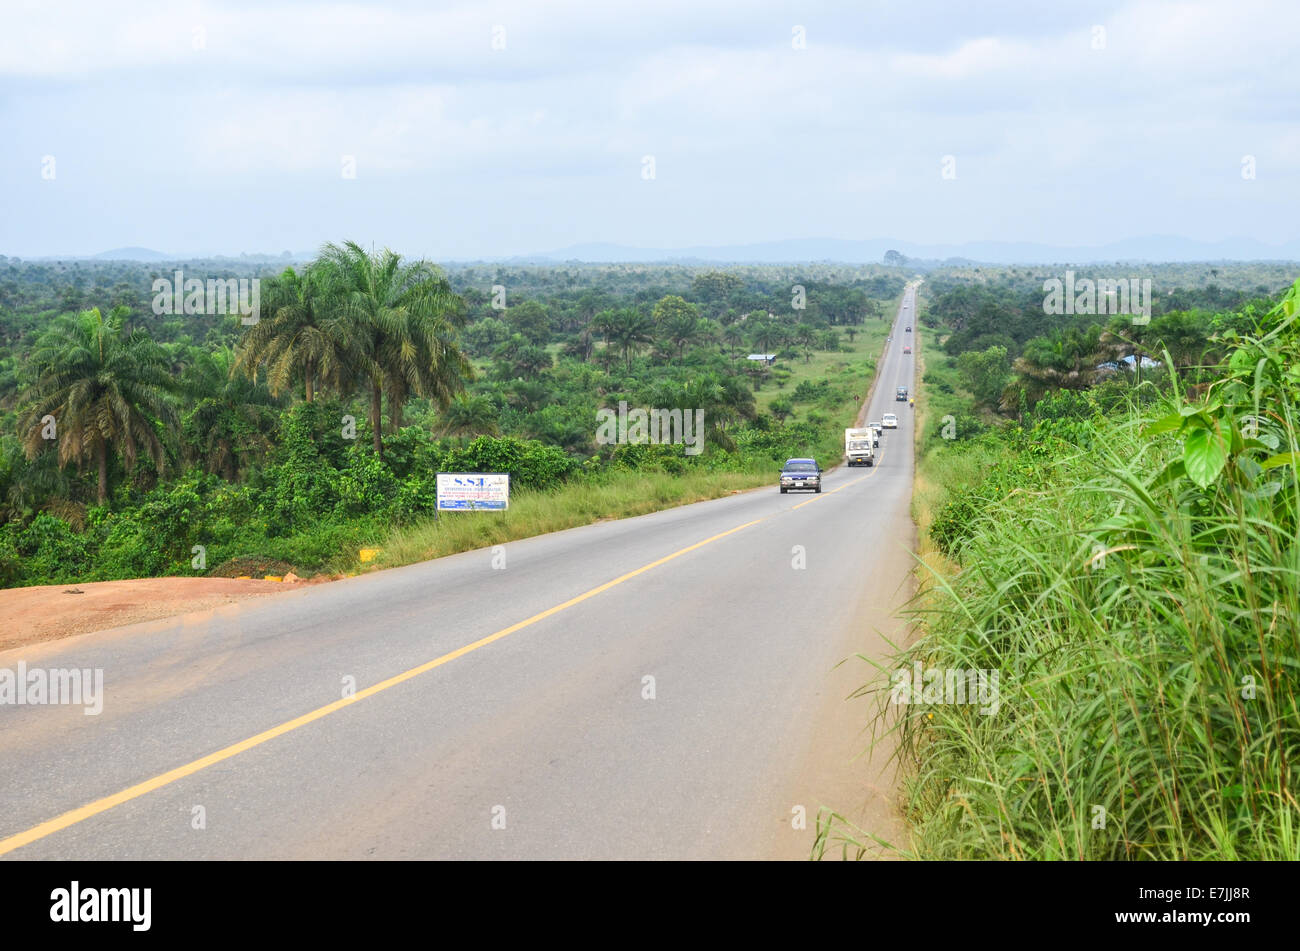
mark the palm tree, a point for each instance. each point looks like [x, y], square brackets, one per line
[105, 389]
[297, 339]
[28, 484]
[629, 330]
[581, 347]
[470, 416]
[680, 330]
[806, 336]
[1185, 334]
[766, 335]
[677, 322]
[528, 396]
[734, 339]
[603, 324]
[1061, 360]
[519, 359]
[232, 415]
[402, 321]
[590, 303]
[724, 399]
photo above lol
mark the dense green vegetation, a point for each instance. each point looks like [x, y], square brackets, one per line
[1112, 505]
[130, 437]
[1123, 553]
[1011, 353]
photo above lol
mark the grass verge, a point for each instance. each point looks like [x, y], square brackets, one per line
[1125, 584]
[616, 495]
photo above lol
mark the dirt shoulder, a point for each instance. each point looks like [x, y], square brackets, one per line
[48, 612]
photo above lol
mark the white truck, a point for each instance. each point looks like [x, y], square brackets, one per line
[859, 447]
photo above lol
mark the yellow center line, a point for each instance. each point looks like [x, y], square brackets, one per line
[822, 495]
[67, 819]
[59, 823]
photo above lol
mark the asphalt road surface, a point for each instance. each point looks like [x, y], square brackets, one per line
[657, 687]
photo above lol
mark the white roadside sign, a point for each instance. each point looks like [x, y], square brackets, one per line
[473, 491]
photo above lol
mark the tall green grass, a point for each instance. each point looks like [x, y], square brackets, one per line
[614, 495]
[1140, 600]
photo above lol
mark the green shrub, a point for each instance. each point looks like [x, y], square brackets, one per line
[48, 551]
[531, 464]
[647, 457]
[364, 485]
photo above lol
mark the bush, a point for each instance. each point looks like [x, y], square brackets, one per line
[48, 551]
[156, 537]
[301, 484]
[531, 464]
[809, 392]
[365, 485]
[645, 457]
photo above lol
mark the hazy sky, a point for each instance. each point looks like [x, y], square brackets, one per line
[220, 127]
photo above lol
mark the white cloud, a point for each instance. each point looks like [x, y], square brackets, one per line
[548, 134]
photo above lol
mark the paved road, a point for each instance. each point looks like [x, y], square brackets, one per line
[487, 696]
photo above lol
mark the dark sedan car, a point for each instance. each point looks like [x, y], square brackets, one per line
[801, 474]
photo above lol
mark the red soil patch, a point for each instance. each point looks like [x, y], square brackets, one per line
[48, 612]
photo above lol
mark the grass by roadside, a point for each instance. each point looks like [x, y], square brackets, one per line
[941, 467]
[940, 464]
[848, 373]
[620, 495]
[1121, 728]
[1129, 596]
[925, 490]
[849, 377]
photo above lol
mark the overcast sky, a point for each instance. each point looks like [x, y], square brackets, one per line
[220, 127]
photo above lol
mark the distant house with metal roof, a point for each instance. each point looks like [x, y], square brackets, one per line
[767, 358]
[1129, 363]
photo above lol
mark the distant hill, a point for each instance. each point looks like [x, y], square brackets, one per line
[148, 255]
[132, 254]
[1154, 248]
[1150, 248]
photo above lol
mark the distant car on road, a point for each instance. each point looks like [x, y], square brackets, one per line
[889, 421]
[907, 349]
[900, 395]
[801, 474]
[909, 329]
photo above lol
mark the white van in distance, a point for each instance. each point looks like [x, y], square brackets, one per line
[860, 447]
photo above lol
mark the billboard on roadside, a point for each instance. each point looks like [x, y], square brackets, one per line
[473, 491]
